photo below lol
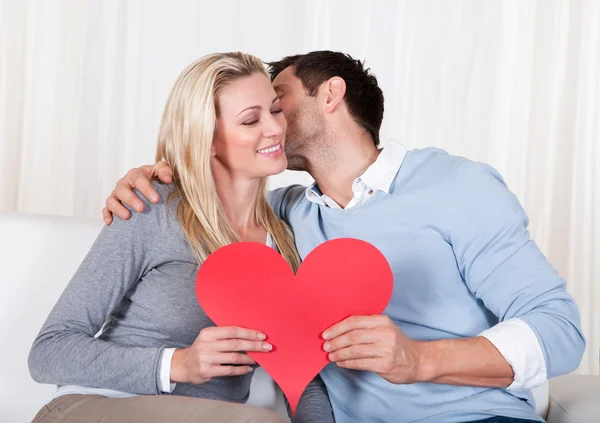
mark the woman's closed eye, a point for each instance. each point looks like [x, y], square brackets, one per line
[254, 121]
[250, 122]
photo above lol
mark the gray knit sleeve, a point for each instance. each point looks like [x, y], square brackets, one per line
[65, 352]
[314, 405]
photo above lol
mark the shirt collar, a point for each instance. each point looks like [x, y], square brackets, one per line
[381, 174]
[378, 176]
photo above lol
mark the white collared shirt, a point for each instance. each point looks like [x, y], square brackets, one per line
[513, 338]
[378, 177]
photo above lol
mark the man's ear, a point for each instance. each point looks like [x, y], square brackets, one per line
[334, 90]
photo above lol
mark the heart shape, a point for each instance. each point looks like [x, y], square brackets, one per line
[250, 285]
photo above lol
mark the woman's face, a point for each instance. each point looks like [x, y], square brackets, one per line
[251, 129]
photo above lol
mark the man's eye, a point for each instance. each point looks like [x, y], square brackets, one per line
[250, 123]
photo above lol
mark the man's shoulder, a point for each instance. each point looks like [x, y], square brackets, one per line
[468, 184]
[459, 171]
[434, 157]
[430, 166]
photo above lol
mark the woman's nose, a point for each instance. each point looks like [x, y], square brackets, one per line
[272, 128]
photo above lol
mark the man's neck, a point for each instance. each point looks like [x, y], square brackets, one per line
[335, 173]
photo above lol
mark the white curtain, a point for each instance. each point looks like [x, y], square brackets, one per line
[512, 83]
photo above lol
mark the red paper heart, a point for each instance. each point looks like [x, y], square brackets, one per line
[250, 285]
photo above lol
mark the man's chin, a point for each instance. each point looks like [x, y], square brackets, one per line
[297, 163]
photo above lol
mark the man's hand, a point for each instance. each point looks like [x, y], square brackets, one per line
[138, 178]
[376, 344]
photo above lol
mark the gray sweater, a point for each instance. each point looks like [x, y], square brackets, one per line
[139, 280]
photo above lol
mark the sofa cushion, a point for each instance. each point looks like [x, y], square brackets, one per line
[574, 399]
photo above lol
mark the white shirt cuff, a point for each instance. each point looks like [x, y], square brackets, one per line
[165, 370]
[520, 347]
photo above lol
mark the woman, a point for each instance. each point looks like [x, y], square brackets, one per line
[222, 133]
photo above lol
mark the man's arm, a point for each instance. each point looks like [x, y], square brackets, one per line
[281, 199]
[470, 361]
[376, 343]
[139, 178]
[539, 334]
[505, 269]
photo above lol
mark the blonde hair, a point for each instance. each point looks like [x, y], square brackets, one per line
[186, 134]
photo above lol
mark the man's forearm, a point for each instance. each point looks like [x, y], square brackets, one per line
[467, 362]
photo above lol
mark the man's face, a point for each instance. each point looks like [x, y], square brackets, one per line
[305, 124]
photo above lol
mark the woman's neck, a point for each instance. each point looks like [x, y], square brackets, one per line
[238, 197]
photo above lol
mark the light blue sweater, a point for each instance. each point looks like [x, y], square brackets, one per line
[457, 241]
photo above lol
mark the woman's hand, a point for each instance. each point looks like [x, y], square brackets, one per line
[217, 351]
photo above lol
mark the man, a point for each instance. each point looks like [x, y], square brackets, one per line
[478, 316]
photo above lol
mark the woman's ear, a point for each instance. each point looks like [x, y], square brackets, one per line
[213, 147]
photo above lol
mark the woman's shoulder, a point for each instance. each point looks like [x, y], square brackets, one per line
[169, 196]
[154, 216]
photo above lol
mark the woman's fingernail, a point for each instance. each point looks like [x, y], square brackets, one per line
[250, 369]
[326, 346]
[261, 336]
[267, 347]
[155, 198]
[138, 207]
[325, 335]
